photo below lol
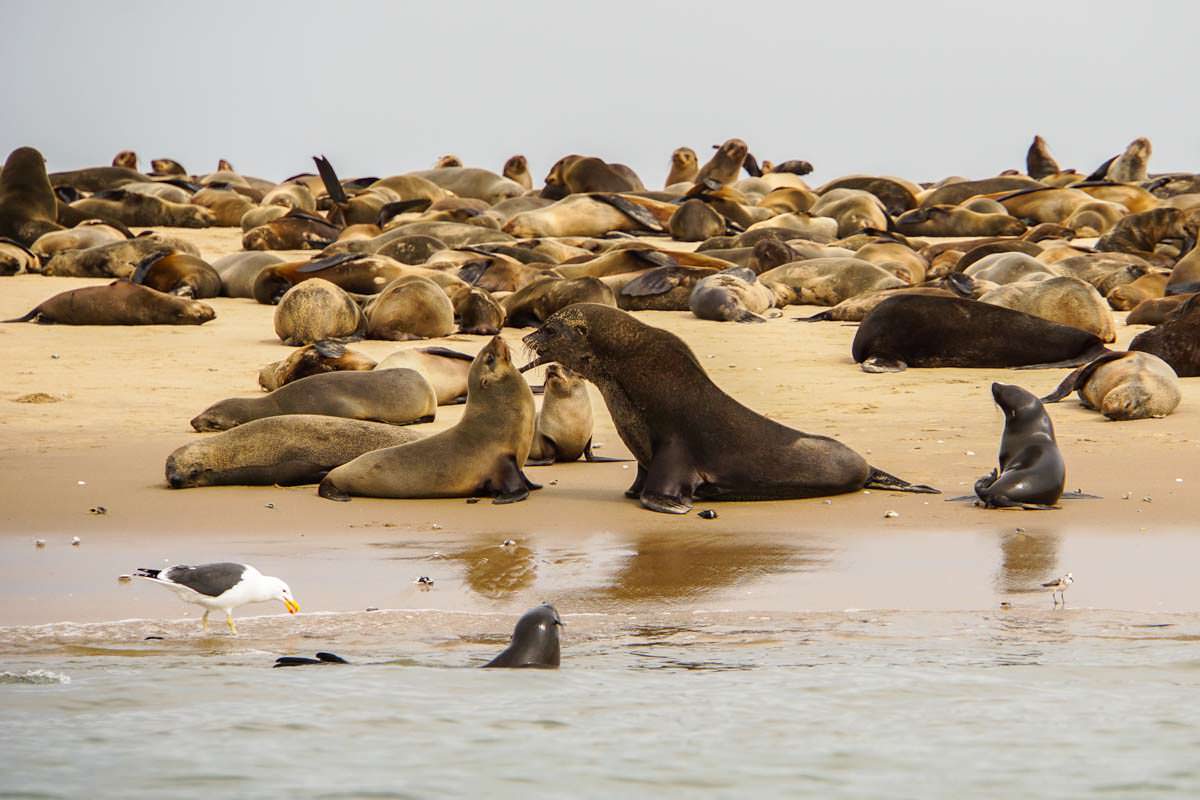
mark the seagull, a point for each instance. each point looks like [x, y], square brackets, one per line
[1058, 587]
[223, 585]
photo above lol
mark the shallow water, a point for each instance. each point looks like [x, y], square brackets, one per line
[675, 703]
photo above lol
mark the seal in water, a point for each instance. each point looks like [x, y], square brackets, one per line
[691, 439]
[482, 455]
[1032, 472]
[534, 644]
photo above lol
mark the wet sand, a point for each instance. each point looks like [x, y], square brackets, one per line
[123, 398]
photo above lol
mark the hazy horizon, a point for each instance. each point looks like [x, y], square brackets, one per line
[382, 89]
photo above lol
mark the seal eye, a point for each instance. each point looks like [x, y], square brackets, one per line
[491, 360]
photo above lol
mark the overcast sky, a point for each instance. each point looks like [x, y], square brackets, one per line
[921, 90]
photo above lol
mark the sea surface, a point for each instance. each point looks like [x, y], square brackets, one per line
[1026, 701]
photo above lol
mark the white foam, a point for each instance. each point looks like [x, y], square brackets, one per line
[36, 677]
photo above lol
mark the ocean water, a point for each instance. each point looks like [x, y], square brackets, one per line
[1019, 702]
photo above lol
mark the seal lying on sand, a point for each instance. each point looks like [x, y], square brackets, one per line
[1177, 340]
[534, 644]
[911, 330]
[285, 451]
[1032, 472]
[119, 303]
[482, 455]
[691, 439]
[1123, 386]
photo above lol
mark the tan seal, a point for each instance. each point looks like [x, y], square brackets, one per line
[316, 310]
[1123, 386]
[119, 303]
[410, 307]
[313, 359]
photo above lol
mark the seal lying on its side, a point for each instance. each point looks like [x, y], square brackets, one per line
[1032, 473]
[1123, 386]
[482, 455]
[691, 439]
[911, 330]
[119, 303]
[285, 451]
[534, 644]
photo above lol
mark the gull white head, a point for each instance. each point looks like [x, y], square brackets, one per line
[275, 589]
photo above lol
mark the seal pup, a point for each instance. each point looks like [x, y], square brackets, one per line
[477, 312]
[921, 331]
[396, 396]
[28, 207]
[517, 169]
[1176, 340]
[1123, 386]
[534, 644]
[734, 295]
[327, 355]
[691, 439]
[119, 303]
[564, 425]
[287, 450]
[482, 455]
[1031, 472]
[684, 167]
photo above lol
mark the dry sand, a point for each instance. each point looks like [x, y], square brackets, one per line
[121, 398]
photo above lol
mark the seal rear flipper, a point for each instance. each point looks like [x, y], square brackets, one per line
[746, 315]
[507, 483]
[824, 316]
[328, 262]
[632, 210]
[27, 317]
[1079, 378]
[1078, 361]
[328, 177]
[877, 364]
[588, 455]
[670, 480]
[878, 479]
[446, 352]
[300, 661]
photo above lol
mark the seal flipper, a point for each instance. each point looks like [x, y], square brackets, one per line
[746, 315]
[1079, 378]
[1079, 361]
[631, 210]
[635, 489]
[588, 455]
[27, 317]
[824, 316]
[507, 483]
[328, 177]
[877, 364]
[670, 481]
[878, 479]
[331, 492]
[299, 661]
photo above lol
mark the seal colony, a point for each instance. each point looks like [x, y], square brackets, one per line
[1037, 261]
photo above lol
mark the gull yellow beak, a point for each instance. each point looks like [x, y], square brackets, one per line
[292, 605]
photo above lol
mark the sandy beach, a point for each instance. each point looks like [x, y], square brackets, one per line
[90, 414]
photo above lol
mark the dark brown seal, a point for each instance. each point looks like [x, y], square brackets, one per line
[28, 207]
[533, 304]
[1177, 340]
[691, 439]
[179, 274]
[1032, 472]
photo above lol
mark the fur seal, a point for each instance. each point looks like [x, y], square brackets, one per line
[1032, 472]
[854, 209]
[1038, 161]
[410, 307]
[448, 371]
[951, 194]
[316, 310]
[296, 230]
[28, 207]
[478, 313]
[956, 221]
[1140, 233]
[284, 450]
[684, 167]
[261, 215]
[115, 259]
[564, 425]
[660, 289]
[695, 221]
[81, 237]
[829, 281]
[238, 271]
[535, 302]
[534, 641]
[1131, 165]
[395, 396]
[897, 195]
[180, 274]
[119, 303]
[127, 159]
[733, 295]
[1185, 275]
[917, 331]
[16, 258]
[1065, 300]
[313, 359]
[723, 168]
[691, 439]
[1177, 340]
[132, 208]
[1130, 295]
[353, 272]
[576, 174]
[167, 166]
[1158, 310]
[517, 169]
[592, 215]
[1123, 386]
[480, 184]
[482, 455]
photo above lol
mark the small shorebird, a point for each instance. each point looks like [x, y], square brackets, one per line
[224, 586]
[1058, 587]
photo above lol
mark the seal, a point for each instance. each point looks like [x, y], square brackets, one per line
[921, 331]
[180, 274]
[564, 425]
[733, 295]
[1065, 300]
[315, 310]
[956, 221]
[395, 396]
[691, 439]
[1032, 473]
[660, 289]
[1128, 296]
[16, 258]
[592, 215]
[313, 359]
[285, 451]
[829, 281]
[117, 259]
[517, 169]
[478, 312]
[1185, 275]
[85, 235]
[410, 307]
[695, 221]
[127, 159]
[132, 208]
[28, 207]
[1140, 233]
[238, 271]
[167, 166]
[448, 371]
[533, 304]
[685, 166]
[119, 303]
[296, 230]
[482, 455]
[723, 168]
[576, 174]
[1131, 165]
[1157, 310]
[1177, 340]
[1123, 386]
[854, 209]
[534, 641]
[1038, 161]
